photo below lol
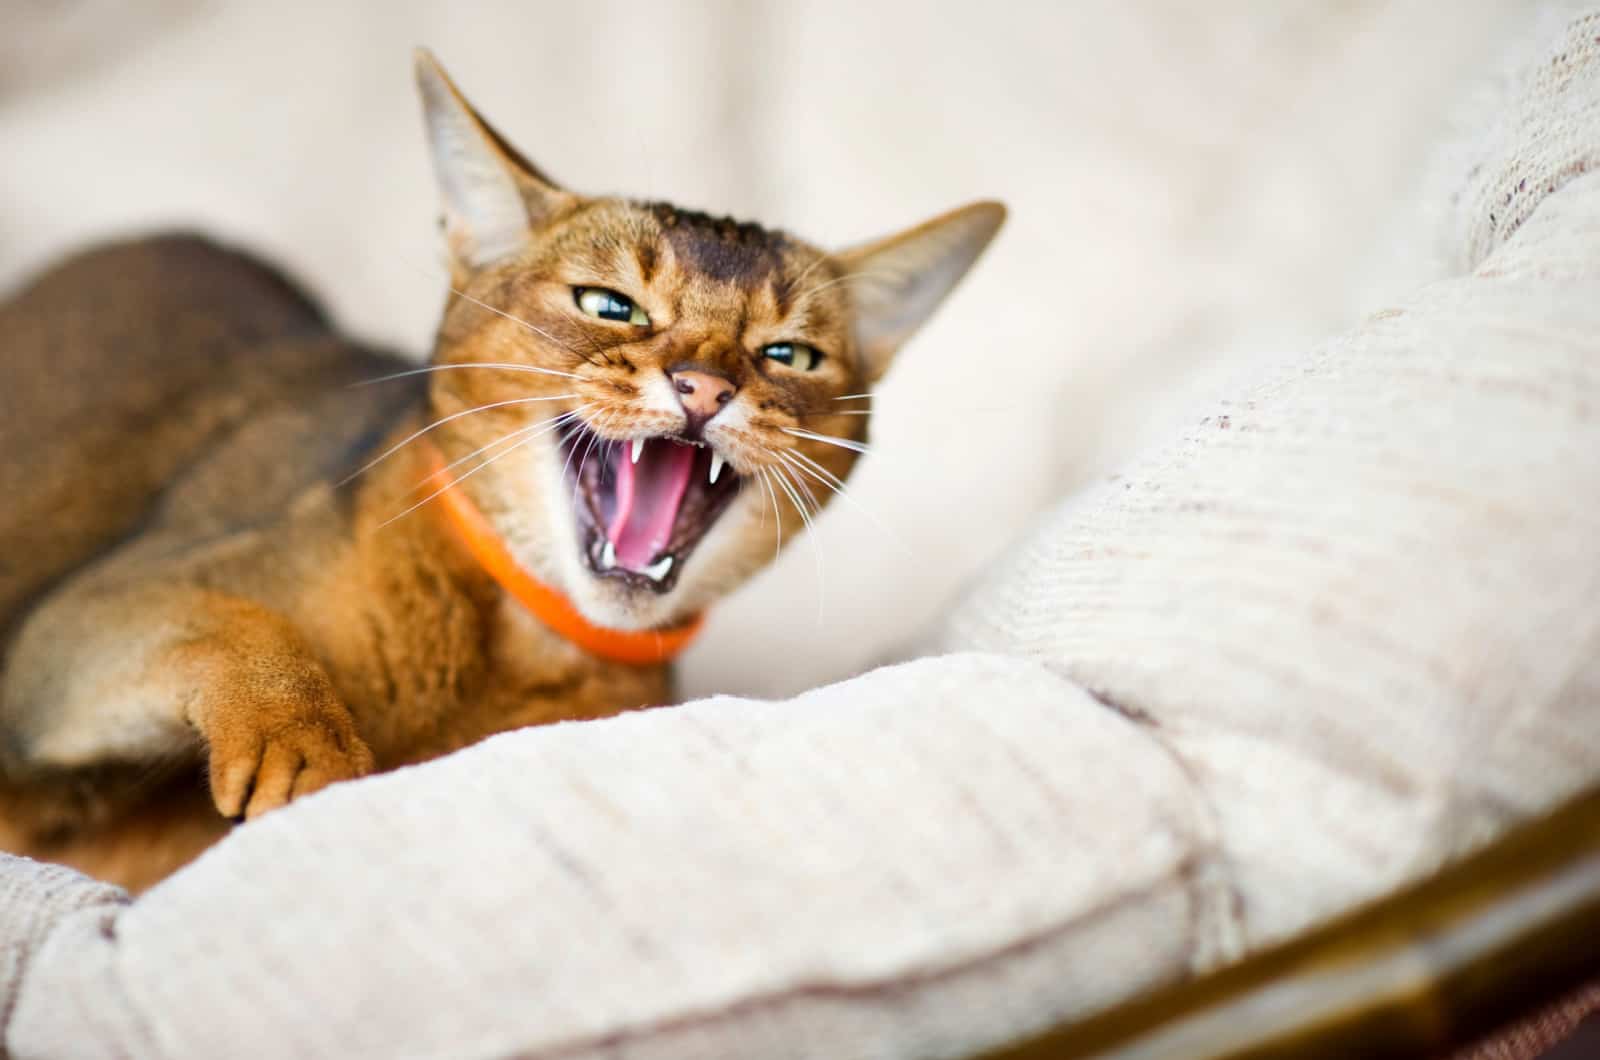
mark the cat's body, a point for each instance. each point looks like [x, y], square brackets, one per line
[176, 457]
[190, 588]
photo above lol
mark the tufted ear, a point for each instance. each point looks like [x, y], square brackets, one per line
[896, 283]
[493, 197]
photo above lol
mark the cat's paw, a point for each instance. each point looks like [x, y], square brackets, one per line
[265, 758]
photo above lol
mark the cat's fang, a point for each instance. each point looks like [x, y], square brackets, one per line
[608, 556]
[716, 466]
[638, 448]
[658, 570]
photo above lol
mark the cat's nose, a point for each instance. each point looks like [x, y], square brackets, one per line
[702, 395]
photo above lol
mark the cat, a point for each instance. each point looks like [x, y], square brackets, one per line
[230, 576]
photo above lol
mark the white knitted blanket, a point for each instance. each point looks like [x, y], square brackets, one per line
[1342, 627]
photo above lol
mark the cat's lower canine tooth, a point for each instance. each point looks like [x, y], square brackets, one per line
[659, 568]
[716, 466]
[608, 556]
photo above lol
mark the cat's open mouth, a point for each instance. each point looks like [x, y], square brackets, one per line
[643, 506]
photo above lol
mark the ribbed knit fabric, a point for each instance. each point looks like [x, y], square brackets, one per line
[1343, 626]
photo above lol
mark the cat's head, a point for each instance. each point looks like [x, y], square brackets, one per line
[648, 402]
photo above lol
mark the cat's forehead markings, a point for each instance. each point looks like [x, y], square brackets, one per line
[586, 243]
[720, 248]
[645, 255]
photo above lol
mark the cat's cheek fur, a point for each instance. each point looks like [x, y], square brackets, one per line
[534, 517]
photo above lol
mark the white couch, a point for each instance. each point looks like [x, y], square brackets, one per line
[1338, 625]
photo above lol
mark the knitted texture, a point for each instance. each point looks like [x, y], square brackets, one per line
[35, 899]
[910, 863]
[1538, 135]
[1339, 630]
[1357, 599]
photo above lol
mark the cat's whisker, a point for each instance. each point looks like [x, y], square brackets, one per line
[798, 467]
[851, 397]
[533, 328]
[819, 260]
[604, 423]
[842, 443]
[787, 484]
[805, 488]
[777, 513]
[414, 435]
[440, 273]
[560, 420]
[567, 463]
[843, 412]
[786, 458]
[863, 273]
[501, 366]
[800, 461]
[458, 479]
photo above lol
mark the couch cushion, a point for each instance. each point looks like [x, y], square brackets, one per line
[1360, 596]
[926, 858]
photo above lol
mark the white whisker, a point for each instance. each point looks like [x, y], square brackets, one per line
[827, 477]
[594, 436]
[504, 367]
[805, 487]
[414, 435]
[439, 273]
[842, 443]
[562, 419]
[457, 480]
[851, 397]
[784, 483]
[777, 514]
[533, 328]
[794, 458]
[567, 463]
[847, 277]
[820, 259]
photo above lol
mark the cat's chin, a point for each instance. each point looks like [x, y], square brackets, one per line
[640, 509]
[618, 604]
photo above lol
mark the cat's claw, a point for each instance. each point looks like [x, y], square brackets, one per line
[255, 769]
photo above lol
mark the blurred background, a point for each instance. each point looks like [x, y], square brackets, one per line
[1191, 186]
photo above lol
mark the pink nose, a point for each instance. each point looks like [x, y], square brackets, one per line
[701, 394]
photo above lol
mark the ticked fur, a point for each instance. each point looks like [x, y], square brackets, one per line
[190, 587]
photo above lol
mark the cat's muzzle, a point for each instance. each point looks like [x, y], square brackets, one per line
[642, 505]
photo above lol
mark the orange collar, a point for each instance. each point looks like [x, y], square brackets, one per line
[636, 647]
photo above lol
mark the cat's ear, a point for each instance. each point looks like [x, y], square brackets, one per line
[493, 197]
[896, 283]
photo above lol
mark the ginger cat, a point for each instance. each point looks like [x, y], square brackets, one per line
[207, 614]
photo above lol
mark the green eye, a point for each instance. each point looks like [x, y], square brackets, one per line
[796, 355]
[609, 305]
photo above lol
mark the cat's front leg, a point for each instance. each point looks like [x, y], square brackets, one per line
[121, 676]
[274, 727]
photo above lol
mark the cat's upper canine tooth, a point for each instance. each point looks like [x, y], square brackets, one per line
[716, 466]
[658, 570]
[638, 447]
[608, 556]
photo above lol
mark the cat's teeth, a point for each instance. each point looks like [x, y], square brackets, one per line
[659, 568]
[638, 447]
[608, 556]
[716, 466]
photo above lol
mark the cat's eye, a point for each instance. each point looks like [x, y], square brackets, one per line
[609, 305]
[796, 355]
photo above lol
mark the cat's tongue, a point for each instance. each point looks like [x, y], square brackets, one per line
[648, 495]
